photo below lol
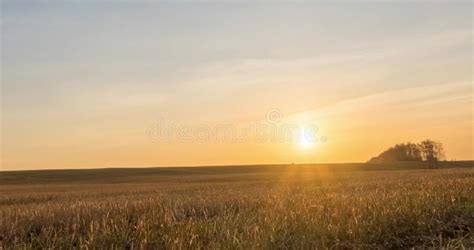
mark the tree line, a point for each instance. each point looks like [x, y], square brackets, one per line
[428, 150]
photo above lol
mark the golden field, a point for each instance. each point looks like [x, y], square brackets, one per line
[240, 207]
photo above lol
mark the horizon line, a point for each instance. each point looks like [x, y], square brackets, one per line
[213, 166]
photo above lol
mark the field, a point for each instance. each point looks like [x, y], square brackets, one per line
[241, 207]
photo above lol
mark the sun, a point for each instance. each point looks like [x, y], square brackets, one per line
[306, 140]
[305, 144]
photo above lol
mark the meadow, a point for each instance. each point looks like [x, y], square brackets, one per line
[240, 207]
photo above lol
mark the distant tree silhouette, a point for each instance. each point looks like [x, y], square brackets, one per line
[413, 151]
[432, 151]
[427, 150]
[400, 152]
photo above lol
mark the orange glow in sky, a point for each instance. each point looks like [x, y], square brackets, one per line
[92, 85]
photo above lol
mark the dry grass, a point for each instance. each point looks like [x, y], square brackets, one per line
[292, 207]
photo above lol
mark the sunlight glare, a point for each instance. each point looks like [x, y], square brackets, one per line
[305, 141]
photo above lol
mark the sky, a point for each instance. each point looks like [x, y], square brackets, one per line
[88, 84]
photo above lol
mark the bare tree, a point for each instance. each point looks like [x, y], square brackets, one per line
[431, 151]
